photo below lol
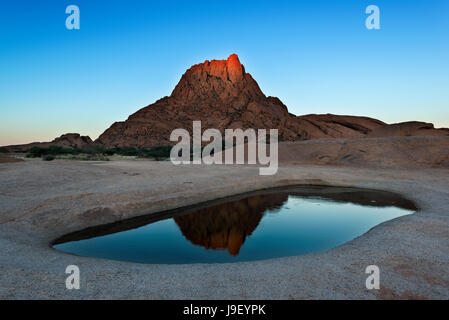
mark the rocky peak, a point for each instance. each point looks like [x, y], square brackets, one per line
[235, 69]
[222, 80]
[222, 95]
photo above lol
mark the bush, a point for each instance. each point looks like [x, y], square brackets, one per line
[97, 152]
[94, 150]
[158, 153]
[3, 150]
[37, 152]
[88, 157]
[109, 152]
[48, 158]
[128, 152]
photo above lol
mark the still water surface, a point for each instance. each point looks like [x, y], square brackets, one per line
[261, 225]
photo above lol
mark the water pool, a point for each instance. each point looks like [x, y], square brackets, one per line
[255, 226]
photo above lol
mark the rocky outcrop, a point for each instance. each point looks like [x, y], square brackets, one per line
[223, 95]
[412, 128]
[68, 140]
[317, 126]
[73, 140]
[386, 152]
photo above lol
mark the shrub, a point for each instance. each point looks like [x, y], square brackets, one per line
[97, 152]
[36, 152]
[3, 150]
[157, 153]
[48, 158]
[88, 157]
[109, 152]
[93, 149]
[128, 151]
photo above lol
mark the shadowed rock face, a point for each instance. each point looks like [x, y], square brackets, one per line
[222, 95]
[227, 225]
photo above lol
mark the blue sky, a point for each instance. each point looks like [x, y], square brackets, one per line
[317, 57]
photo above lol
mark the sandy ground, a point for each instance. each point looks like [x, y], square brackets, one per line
[41, 201]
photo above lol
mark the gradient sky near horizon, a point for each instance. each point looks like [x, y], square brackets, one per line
[317, 57]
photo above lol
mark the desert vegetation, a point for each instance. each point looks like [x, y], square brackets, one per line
[97, 153]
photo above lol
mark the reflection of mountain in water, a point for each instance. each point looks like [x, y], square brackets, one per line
[226, 226]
